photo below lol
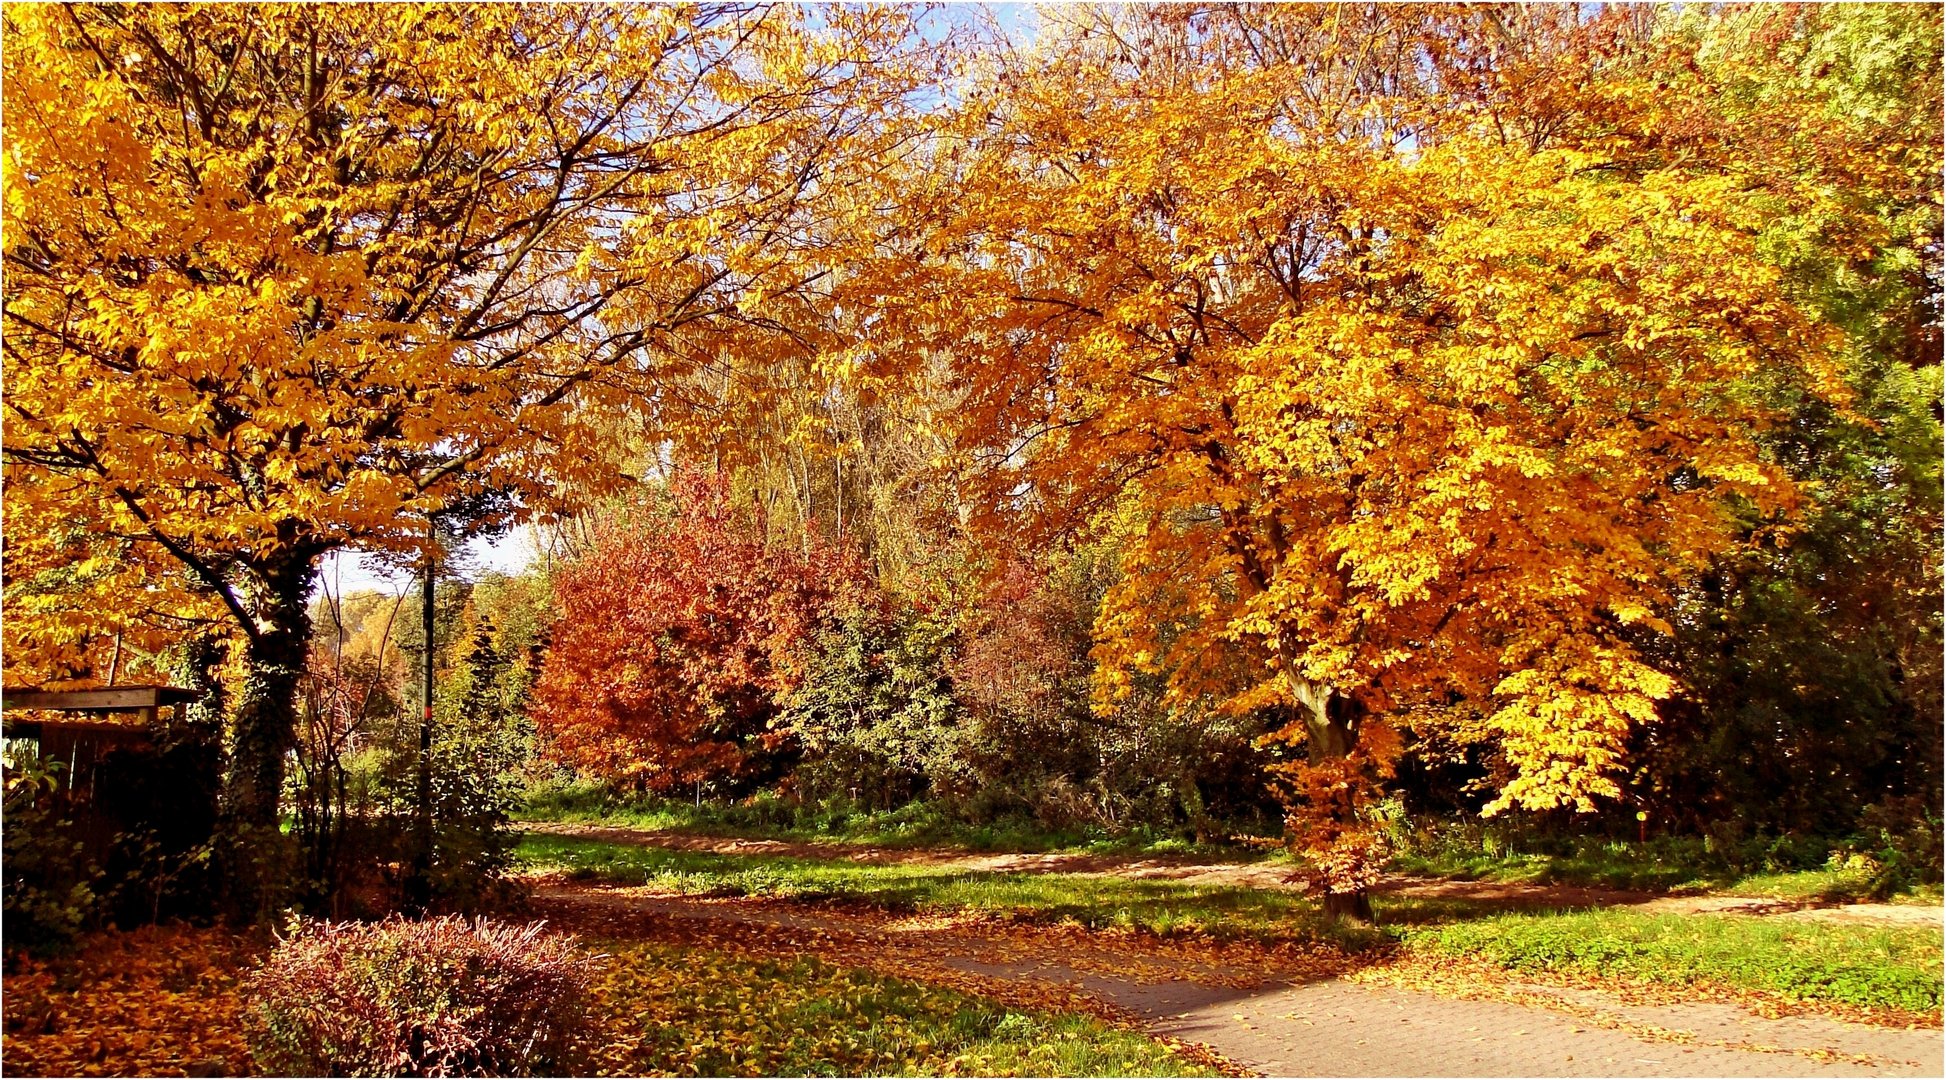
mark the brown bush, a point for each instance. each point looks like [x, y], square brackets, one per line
[439, 997]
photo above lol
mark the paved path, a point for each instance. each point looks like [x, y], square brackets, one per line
[1257, 875]
[1338, 1028]
[1276, 1011]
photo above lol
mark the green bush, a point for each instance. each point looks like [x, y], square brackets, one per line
[1904, 838]
[50, 887]
[439, 997]
[1896, 849]
[355, 791]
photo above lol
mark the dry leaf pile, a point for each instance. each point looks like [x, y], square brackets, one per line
[157, 1001]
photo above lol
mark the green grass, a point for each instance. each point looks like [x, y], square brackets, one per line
[1804, 960]
[1808, 869]
[673, 1010]
[1613, 868]
[918, 824]
[1157, 906]
[1785, 868]
[1895, 968]
[1826, 885]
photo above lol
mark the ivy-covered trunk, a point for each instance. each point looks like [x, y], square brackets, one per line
[256, 859]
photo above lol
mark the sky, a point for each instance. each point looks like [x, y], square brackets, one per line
[346, 572]
[1020, 23]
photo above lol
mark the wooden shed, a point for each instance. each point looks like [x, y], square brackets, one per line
[113, 781]
[92, 724]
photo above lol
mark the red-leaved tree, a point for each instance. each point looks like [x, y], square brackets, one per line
[680, 633]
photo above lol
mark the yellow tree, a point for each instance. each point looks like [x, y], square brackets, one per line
[287, 279]
[58, 632]
[1413, 351]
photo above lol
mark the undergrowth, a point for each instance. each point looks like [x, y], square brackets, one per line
[916, 824]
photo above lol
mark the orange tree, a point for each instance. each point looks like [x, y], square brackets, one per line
[286, 279]
[680, 635]
[1415, 353]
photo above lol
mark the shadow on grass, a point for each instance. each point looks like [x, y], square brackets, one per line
[1860, 965]
[1157, 906]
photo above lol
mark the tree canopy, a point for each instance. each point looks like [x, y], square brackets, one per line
[1439, 379]
[282, 280]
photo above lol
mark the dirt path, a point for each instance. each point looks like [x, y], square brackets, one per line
[1279, 1011]
[1264, 875]
[1256, 875]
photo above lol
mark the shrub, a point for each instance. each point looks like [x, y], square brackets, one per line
[50, 886]
[439, 997]
[1906, 835]
[695, 627]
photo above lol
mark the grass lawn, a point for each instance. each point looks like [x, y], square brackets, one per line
[1156, 906]
[1877, 967]
[1663, 865]
[1782, 869]
[1897, 967]
[679, 1011]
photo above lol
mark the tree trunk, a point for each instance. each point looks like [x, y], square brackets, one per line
[1331, 733]
[255, 855]
[1356, 905]
[197, 666]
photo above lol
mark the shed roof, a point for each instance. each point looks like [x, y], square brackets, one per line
[99, 700]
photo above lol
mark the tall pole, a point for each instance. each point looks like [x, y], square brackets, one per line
[420, 887]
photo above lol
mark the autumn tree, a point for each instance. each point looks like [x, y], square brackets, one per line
[58, 631]
[284, 279]
[679, 638]
[1412, 351]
